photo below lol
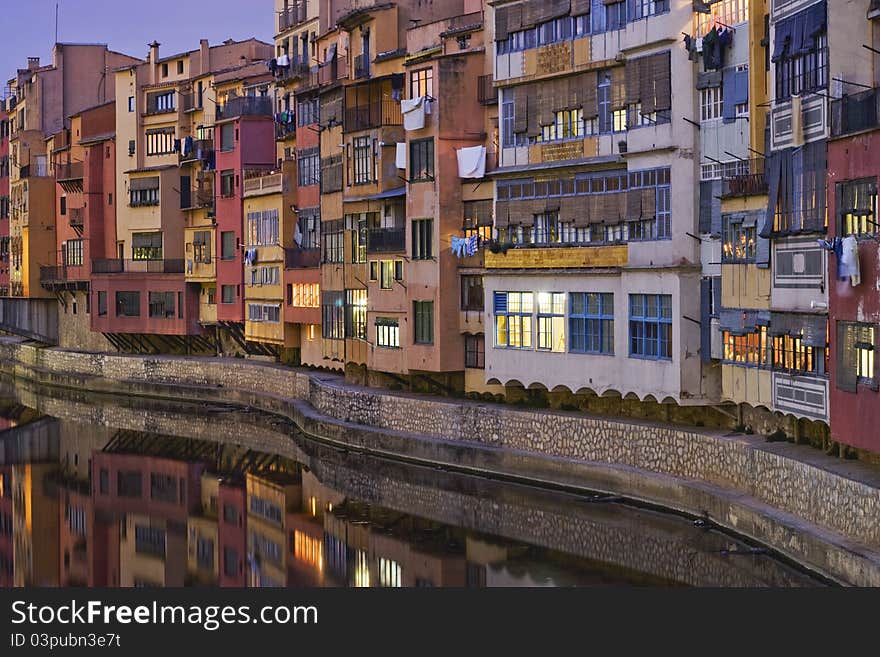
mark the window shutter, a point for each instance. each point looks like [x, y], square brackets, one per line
[705, 320]
[500, 302]
[846, 357]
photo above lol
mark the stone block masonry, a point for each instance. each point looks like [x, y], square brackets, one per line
[816, 509]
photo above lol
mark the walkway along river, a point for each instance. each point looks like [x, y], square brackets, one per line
[813, 509]
[99, 474]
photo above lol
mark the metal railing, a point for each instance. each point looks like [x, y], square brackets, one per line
[374, 115]
[293, 16]
[487, 94]
[63, 273]
[361, 67]
[69, 171]
[386, 240]
[747, 181]
[201, 149]
[302, 258]
[855, 113]
[77, 216]
[117, 266]
[245, 106]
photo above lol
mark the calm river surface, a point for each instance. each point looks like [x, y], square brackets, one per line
[118, 491]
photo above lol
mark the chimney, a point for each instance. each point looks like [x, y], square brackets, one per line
[204, 56]
[154, 58]
[33, 63]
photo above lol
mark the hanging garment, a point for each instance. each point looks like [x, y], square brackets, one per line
[400, 155]
[428, 104]
[699, 45]
[284, 60]
[187, 146]
[835, 246]
[176, 145]
[725, 39]
[413, 113]
[709, 49]
[850, 260]
[471, 162]
[397, 81]
[297, 235]
[458, 246]
[473, 243]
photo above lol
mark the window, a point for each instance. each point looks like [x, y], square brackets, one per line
[553, 31]
[363, 160]
[475, 351]
[333, 315]
[160, 101]
[650, 326]
[507, 119]
[165, 70]
[128, 304]
[260, 312]
[205, 553]
[387, 333]
[471, 292]
[333, 236]
[131, 103]
[227, 137]
[309, 169]
[603, 99]
[857, 206]
[645, 8]
[227, 183]
[62, 203]
[230, 514]
[551, 321]
[266, 509]
[129, 483]
[227, 245]
[230, 561]
[513, 319]
[162, 304]
[104, 482]
[792, 355]
[356, 314]
[73, 253]
[422, 239]
[202, 246]
[160, 141]
[711, 103]
[143, 191]
[615, 15]
[146, 246]
[149, 540]
[591, 323]
[389, 573]
[163, 488]
[748, 349]
[740, 238]
[568, 124]
[102, 303]
[804, 71]
[76, 520]
[421, 160]
[729, 12]
[421, 83]
[546, 228]
[423, 312]
[307, 112]
[180, 67]
[386, 274]
[227, 294]
[262, 228]
[855, 355]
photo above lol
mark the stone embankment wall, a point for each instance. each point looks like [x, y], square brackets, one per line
[765, 490]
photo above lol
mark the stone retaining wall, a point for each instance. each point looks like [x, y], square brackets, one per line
[840, 496]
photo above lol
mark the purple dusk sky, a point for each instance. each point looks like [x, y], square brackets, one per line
[127, 26]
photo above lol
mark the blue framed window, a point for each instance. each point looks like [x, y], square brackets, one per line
[591, 323]
[507, 114]
[615, 15]
[650, 326]
[551, 321]
[513, 319]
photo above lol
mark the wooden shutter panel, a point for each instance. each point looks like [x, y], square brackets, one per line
[846, 357]
[633, 70]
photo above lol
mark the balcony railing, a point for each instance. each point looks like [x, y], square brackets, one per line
[749, 180]
[487, 94]
[76, 217]
[272, 182]
[283, 130]
[245, 106]
[361, 67]
[855, 113]
[200, 152]
[69, 171]
[63, 274]
[36, 169]
[198, 199]
[386, 240]
[293, 16]
[117, 266]
[302, 258]
[374, 115]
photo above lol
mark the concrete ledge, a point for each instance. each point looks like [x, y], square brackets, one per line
[818, 511]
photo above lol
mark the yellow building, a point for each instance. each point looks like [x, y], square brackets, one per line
[270, 496]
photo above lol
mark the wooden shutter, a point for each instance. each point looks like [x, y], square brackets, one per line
[847, 357]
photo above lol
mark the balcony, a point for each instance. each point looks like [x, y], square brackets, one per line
[302, 258]
[284, 130]
[386, 240]
[487, 94]
[374, 115]
[36, 169]
[855, 113]
[361, 67]
[263, 184]
[245, 106]
[191, 102]
[199, 198]
[749, 181]
[117, 266]
[69, 171]
[201, 152]
[294, 15]
[76, 216]
[66, 276]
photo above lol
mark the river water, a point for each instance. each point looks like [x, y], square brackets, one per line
[120, 491]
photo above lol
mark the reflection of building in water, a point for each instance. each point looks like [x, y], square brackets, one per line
[202, 533]
[372, 546]
[305, 533]
[7, 549]
[270, 497]
[232, 531]
[152, 551]
[35, 525]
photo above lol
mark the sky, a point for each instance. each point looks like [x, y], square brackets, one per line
[127, 26]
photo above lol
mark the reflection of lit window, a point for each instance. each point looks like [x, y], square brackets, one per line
[308, 549]
[389, 573]
[313, 506]
[361, 570]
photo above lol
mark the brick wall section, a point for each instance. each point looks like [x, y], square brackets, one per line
[838, 495]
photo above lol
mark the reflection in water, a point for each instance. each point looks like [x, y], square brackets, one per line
[130, 492]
